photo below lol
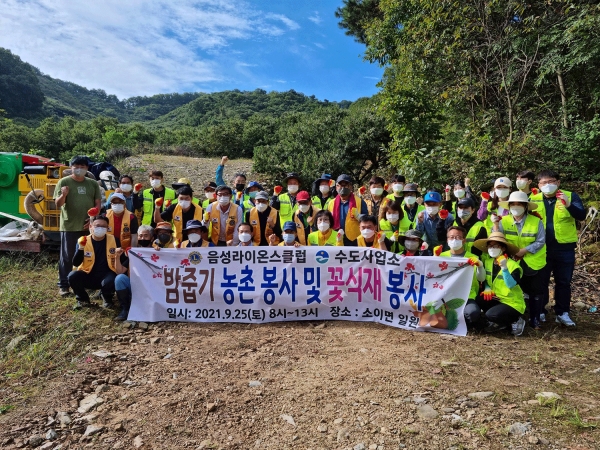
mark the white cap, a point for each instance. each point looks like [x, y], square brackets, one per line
[504, 181]
[118, 195]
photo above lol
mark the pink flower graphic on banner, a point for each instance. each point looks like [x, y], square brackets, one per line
[409, 267]
[443, 265]
[185, 262]
[435, 285]
[154, 257]
[430, 275]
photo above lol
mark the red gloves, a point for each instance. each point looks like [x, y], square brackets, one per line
[137, 188]
[277, 190]
[424, 246]
[534, 191]
[443, 214]
[488, 295]
[485, 196]
[437, 251]
[82, 241]
[167, 203]
[93, 212]
[159, 201]
[362, 190]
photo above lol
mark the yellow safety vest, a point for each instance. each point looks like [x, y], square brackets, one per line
[351, 227]
[285, 208]
[125, 236]
[255, 222]
[184, 244]
[177, 221]
[512, 297]
[316, 201]
[527, 236]
[475, 282]
[300, 226]
[89, 258]
[472, 233]
[173, 243]
[148, 204]
[215, 223]
[319, 239]
[360, 241]
[565, 226]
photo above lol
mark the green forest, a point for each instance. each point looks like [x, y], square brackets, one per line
[470, 89]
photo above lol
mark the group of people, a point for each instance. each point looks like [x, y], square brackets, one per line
[515, 239]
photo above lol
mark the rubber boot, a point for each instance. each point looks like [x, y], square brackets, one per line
[124, 297]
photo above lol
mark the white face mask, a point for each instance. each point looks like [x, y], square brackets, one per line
[99, 232]
[323, 227]
[521, 184]
[432, 210]
[397, 187]
[223, 200]
[155, 183]
[410, 200]
[459, 193]
[455, 244]
[126, 187]
[392, 217]
[502, 193]
[367, 233]
[245, 237]
[292, 188]
[194, 237]
[303, 208]
[549, 189]
[411, 245]
[517, 211]
[117, 208]
[324, 189]
[288, 238]
[185, 204]
[494, 252]
[79, 172]
[261, 207]
[464, 213]
[376, 191]
[210, 195]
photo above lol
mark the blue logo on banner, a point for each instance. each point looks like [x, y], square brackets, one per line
[322, 257]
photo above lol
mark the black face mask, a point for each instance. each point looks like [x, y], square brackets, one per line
[164, 238]
[344, 191]
[144, 242]
[240, 187]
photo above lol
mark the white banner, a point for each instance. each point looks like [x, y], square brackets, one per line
[270, 284]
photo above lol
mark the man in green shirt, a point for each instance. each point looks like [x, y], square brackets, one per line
[74, 195]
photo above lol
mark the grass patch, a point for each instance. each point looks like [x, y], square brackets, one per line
[5, 408]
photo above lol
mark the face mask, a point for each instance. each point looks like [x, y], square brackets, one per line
[292, 188]
[304, 208]
[185, 204]
[164, 238]
[521, 184]
[494, 252]
[240, 187]
[410, 200]
[455, 244]
[262, 207]
[223, 200]
[432, 210]
[344, 192]
[79, 172]
[517, 211]
[126, 187]
[245, 237]
[118, 208]
[193, 237]
[324, 189]
[323, 227]
[144, 242]
[397, 187]
[459, 193]
[367, 234]
[210, 195]
[155, 183]
[392, 217]
[376, 191]
[99, 232]
[502, 193]
[411, 245]
[253, 194]
[288, 238]
[549, 189]
[464, 213]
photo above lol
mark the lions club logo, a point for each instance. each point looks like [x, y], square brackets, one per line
[195, 258]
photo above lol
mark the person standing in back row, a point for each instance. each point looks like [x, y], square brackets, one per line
[151, 195]
[74, 195]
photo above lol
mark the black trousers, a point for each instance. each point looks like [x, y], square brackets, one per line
[80, 281]
[68, 248]
[498, 312]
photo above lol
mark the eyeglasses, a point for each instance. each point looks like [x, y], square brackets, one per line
[455, 238]
[545, 182]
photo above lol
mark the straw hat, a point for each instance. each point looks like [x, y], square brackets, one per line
[496, 236]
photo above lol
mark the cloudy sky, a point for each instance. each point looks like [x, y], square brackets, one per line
[145, 47]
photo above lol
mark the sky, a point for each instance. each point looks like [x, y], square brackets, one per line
[145, 47]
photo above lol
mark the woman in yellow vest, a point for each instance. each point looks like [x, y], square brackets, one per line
[122, 223]
[489, 208]
[209, 193]
[377, 199]
[194, 229]
[264, 220]
[325, 235]
[96, 264]
[526, 231]
[468, 220]
[393, 224]
[346, 209]
[502, 298]
[323, 191]
[180, 213]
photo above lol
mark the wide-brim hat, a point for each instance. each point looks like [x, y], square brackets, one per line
[194, 224]
[292, 176]
[411, 187]
[410, 234]
[324, 177]
[520, 197]
[496, 236]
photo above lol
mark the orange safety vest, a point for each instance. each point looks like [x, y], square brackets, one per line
[351, 227]
[300, 226]
[255, 222]
[184, 244]
[215, 222]
[125, 236]
[178, 219]
[89, 257]
[173, 243]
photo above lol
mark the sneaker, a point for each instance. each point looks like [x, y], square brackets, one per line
[518, 327]
[64, 292]
[80, 305]
[543, 317]
[535, 323]
[565, 320]
[493, 327]
[108, 304]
